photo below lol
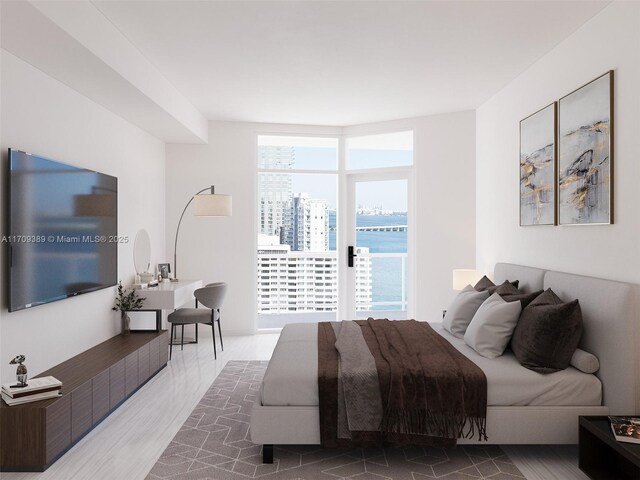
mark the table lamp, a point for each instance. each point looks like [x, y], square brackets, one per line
[465, 276]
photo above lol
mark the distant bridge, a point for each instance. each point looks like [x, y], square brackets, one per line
[379, 228]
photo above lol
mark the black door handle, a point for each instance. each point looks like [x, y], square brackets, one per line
[350, 256]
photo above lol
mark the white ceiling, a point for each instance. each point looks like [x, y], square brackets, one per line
[342, 63]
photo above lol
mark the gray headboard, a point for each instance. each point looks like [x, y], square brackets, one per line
[531, 279]
[611, 315]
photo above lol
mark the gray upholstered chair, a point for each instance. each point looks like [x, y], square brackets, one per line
[211, 297]
[196, 340]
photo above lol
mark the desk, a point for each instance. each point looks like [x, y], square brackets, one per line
[168, 296]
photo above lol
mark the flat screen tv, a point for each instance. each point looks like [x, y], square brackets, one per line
[62, 235]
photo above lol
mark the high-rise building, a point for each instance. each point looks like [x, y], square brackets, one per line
[274, 188]
[307, 224]
[305, 282]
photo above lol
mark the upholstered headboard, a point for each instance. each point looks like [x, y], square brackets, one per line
[531, 279]
[611, 316]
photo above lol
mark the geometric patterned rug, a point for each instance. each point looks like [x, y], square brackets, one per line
[214, 444]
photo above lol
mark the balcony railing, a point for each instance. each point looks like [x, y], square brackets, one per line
[274, 296]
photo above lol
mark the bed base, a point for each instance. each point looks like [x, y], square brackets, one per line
[526, 425]
[267, 453]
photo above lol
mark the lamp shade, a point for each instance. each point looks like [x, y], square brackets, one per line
[212, 205]
[463, 277]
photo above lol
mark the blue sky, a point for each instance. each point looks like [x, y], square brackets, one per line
[390, 195]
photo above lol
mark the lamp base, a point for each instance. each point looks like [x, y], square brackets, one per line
[173, 279]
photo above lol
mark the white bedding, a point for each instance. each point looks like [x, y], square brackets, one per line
[292, 375]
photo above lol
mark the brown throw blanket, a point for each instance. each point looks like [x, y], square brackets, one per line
[430, 393]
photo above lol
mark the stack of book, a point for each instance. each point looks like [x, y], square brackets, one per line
[36, 389]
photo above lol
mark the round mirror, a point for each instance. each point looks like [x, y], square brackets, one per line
[142, 252]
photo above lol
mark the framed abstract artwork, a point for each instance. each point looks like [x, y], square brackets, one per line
[585, 154]
[538, 167]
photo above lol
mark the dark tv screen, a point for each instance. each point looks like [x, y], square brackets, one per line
[62, 234]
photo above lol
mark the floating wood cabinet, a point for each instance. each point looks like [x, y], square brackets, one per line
[131, 373]
[94, 383]
[99, 397]
[143, 364]
[116, 384]
[81, 410]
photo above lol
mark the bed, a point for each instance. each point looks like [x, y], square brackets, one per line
[544, 408]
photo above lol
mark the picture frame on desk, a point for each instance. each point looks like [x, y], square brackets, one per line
[164, 269]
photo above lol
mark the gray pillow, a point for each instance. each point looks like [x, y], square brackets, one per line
[462, 310]
[547, 333]
[492, 326]
[584, 361]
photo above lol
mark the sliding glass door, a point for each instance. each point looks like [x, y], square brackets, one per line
[377, 262]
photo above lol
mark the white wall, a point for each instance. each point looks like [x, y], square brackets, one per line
[41, 115]
[223, 249]
[610, 40]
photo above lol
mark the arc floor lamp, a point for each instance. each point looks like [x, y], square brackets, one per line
[204, 205]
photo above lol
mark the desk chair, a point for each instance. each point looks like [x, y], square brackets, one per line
[211, 296]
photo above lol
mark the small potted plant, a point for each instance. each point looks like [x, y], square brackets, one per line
[126, 301]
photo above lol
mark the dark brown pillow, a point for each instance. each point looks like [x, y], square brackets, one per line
[485, 284]
[547, 333]
[509, 293]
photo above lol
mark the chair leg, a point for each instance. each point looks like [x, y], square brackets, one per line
[213, 334]
[182, 339]
[196, 323]
[174, 333]
[220, 331]
[171, 340]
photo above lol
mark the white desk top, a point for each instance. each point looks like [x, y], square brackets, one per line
[173, 286]
[169, 295]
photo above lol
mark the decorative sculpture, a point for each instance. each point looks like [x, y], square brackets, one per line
[21, 372]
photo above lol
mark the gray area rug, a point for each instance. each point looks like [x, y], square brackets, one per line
[214, 444]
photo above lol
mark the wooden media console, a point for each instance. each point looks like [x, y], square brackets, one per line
[94, 383]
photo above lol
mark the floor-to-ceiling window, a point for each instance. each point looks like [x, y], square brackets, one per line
[306, 222]
[297, 208]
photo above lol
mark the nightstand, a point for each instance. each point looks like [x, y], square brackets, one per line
[601, 456]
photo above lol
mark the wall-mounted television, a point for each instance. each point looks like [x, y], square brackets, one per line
[62, 234]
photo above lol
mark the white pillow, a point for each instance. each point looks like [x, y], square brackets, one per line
[584, 361]
[462, 310]
[492, 326]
